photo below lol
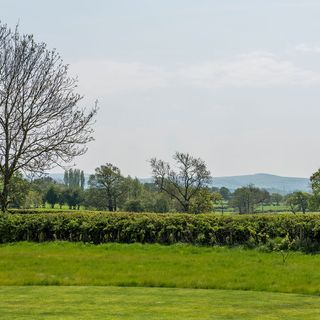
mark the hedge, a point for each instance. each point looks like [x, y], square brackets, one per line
[204, 229]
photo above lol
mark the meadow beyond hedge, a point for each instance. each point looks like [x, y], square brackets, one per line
[301, 231]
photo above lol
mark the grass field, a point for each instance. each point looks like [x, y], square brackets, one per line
[63, 280]
[152, 303]
[181, 266]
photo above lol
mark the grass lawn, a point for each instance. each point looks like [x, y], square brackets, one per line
[180, 266]
[52, 302]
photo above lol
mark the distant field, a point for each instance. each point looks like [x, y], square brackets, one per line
[181, 266]
[217, 210]
[114, 303]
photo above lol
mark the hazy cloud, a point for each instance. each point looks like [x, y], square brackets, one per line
[104, 77]
[257, 69]
[304, 47]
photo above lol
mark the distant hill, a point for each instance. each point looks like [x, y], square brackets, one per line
[272, 183]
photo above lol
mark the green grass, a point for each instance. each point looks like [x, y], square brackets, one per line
[152, 303]
[63, 280]
[181, 266]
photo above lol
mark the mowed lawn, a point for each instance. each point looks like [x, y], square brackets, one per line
[176, 266]
[54, 302]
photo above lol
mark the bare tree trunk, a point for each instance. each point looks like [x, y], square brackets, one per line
[4, 198]
[110, 205]
[115, 204]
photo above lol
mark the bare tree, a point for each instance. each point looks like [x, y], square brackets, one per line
[185, 183]
[41, 125]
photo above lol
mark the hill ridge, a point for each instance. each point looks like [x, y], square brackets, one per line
[270, 182]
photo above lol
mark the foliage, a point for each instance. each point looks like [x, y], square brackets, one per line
[109, 179]
[33, 199]
[95, 198]
[18, 190]
[52, 196]
[314, 201]
[246, 199]
[276, 198]
[315, 182]
[202, 201]
[73, 198]
[205, 229]
[74, 178]
[134, 205]
[225, 193]
[298, 201]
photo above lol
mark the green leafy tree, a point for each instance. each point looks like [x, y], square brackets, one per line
[52, 196]
[73, 198]
[315, 182]
[218, 199]
[161, 204]
[134, 205]
[246, 199]
[262, 197]
[225, 192]
[18, 189]
[298, 201]
[109, 179]
[276, 198]
[202, 202]
[134, 188]
[41, 185]
[82, 180]
[95, 198]
[314, 200]
[74, 178]
[33, 199]
[61, 195]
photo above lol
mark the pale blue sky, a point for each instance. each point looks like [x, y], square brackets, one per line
[234, 82]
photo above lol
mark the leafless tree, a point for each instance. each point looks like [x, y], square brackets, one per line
[41, 125]
[185, 183]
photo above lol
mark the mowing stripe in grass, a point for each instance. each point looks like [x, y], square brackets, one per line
[116, 303]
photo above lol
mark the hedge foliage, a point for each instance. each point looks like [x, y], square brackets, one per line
[206, 229]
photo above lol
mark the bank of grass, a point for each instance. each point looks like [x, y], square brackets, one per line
[152, 303]
[179, 266]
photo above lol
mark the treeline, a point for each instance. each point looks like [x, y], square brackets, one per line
[38, 193]
[129, 194]
[184, 187]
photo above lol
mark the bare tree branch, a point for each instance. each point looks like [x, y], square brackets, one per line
[41, 125]
[185, 183]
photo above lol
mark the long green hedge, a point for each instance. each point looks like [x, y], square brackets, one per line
[207, 229]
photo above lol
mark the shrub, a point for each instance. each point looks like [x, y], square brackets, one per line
[303, 231]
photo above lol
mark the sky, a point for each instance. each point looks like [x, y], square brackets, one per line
[236, 82]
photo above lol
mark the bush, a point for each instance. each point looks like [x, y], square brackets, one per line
[303, 231]
[134, 206]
